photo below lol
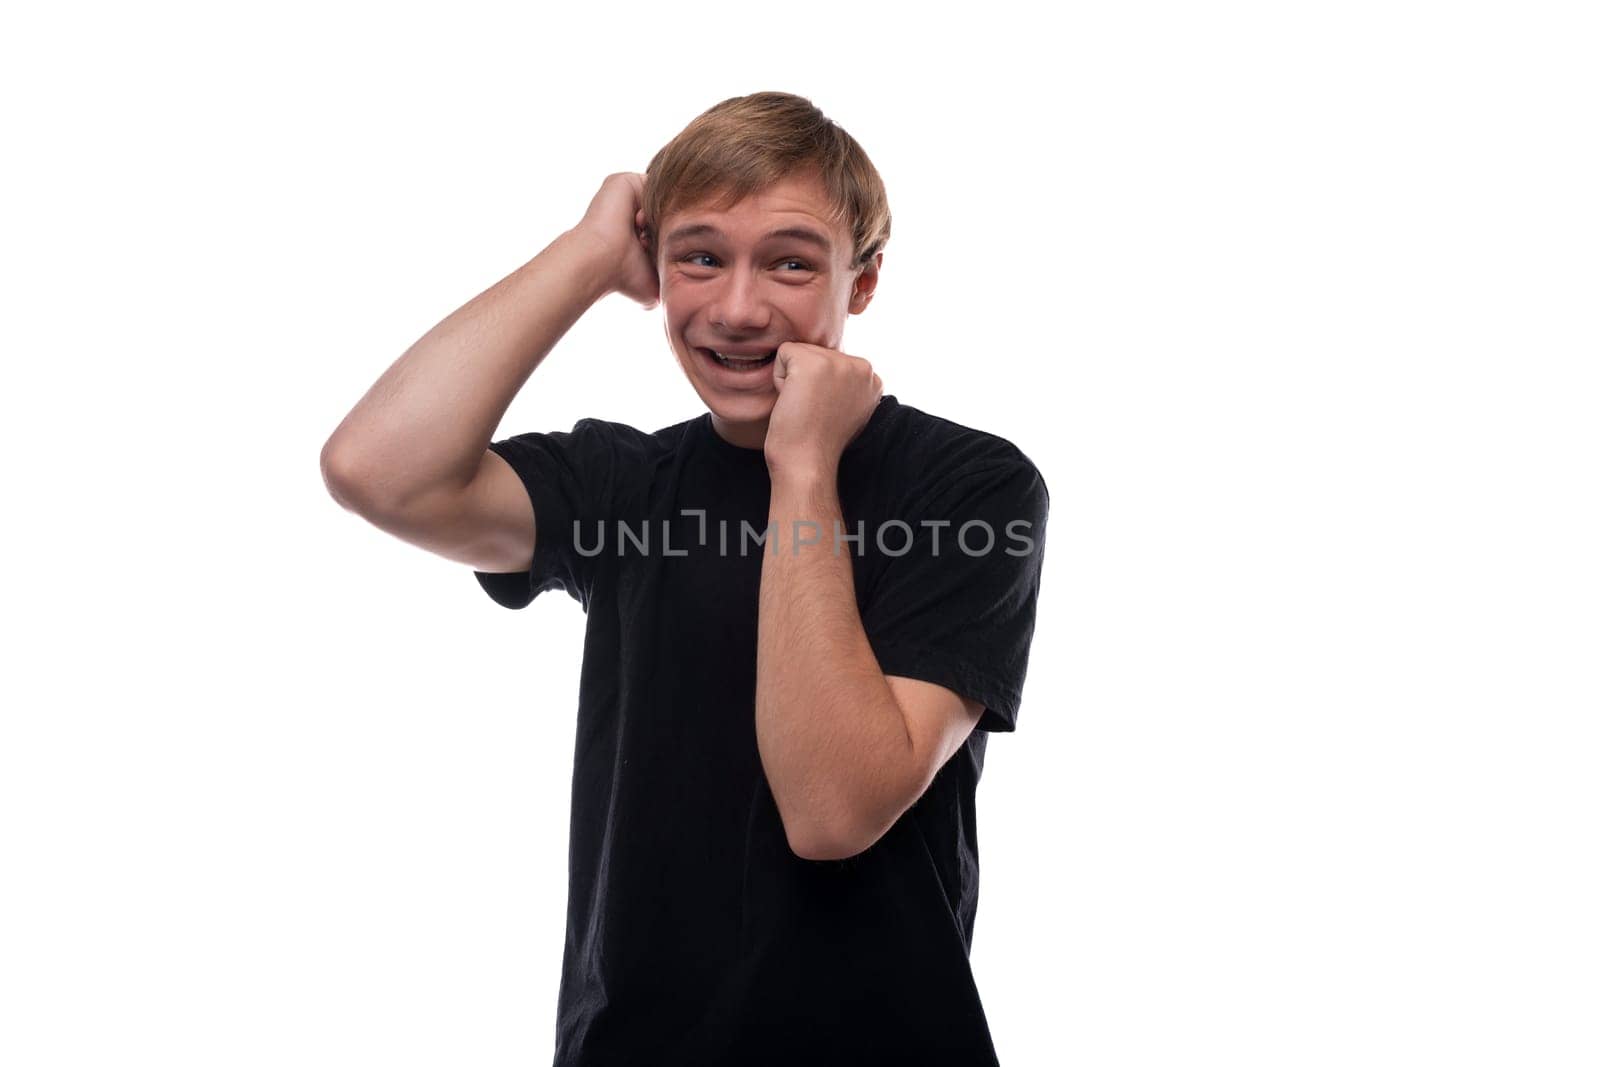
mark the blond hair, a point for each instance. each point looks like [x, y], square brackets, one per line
[748, 143]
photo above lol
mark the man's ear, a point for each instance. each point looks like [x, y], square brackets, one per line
[865, 285]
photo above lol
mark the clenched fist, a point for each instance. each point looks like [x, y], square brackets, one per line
[825, 398]
[615, 221]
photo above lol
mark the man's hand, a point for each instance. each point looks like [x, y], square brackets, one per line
[825, 398]
[615, 221]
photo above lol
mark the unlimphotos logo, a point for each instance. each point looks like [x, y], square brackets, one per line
[893, 537]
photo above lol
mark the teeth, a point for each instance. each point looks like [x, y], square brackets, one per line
[739, 359]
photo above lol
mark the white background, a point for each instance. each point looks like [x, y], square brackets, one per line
[1294, 306]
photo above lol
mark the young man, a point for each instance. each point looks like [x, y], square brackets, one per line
[807, 607]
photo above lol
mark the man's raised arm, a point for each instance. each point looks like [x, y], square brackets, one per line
[412, 456]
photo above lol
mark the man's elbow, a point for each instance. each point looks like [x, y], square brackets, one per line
[339, 477]
[844, 829]
[818, 843]
[352, 482]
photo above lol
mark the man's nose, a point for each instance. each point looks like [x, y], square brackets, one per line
[740, 305]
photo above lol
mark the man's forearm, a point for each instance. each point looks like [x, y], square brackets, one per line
[429, 418]
[831, 736]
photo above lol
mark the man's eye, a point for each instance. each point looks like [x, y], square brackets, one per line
[693, 257]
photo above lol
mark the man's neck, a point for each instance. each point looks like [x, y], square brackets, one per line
[751, 435]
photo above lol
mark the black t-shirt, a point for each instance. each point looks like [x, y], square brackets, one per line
[694, 934]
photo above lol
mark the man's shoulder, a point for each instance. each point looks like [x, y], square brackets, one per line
[628, 438]
[939, 448]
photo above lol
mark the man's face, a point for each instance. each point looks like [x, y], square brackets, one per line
[734, 283]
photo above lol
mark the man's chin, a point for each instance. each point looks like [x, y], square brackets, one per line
[742, 421]
[753, 408]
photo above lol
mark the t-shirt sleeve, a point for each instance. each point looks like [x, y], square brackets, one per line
[570, 479]
[957, 608]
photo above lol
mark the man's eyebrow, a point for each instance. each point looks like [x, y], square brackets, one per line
[798, 233]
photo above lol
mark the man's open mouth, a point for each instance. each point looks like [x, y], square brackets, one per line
[741, 362]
